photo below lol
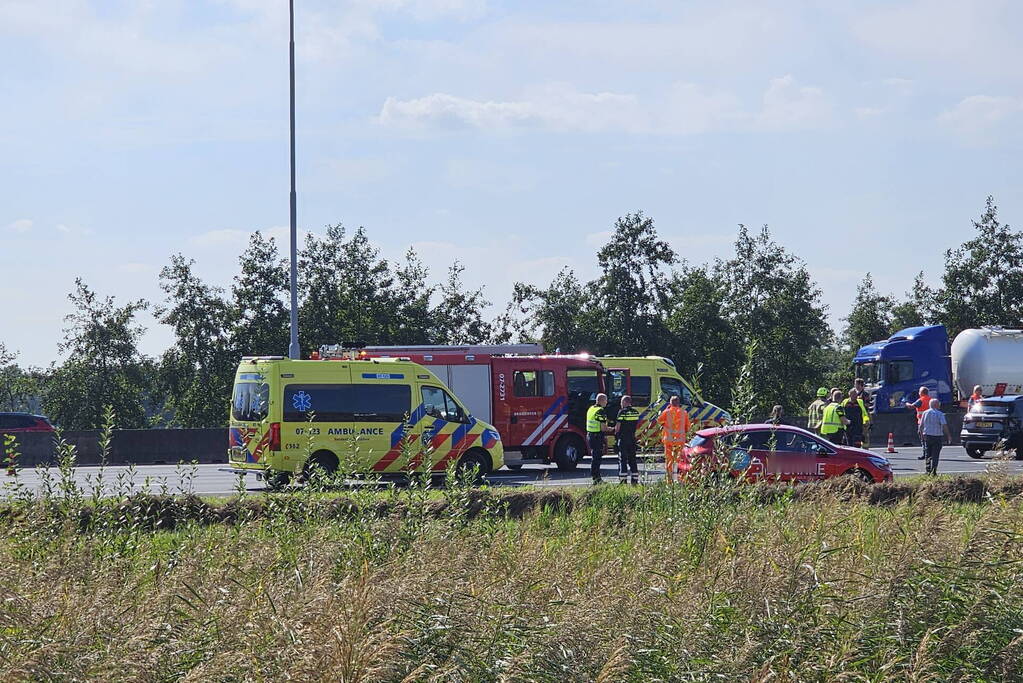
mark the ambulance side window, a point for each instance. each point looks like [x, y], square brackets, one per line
[347, 402]
[382, 402]
[640, 390]
[439, 404]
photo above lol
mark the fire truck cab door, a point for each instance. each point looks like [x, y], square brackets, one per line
[531, 401]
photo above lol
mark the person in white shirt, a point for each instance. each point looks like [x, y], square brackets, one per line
[933, 426]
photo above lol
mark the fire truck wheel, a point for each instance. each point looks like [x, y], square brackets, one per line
[475, 463]
[569, 452]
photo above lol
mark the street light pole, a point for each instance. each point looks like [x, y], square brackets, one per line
[293, 349]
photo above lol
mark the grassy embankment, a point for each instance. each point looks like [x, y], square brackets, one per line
[917, 580]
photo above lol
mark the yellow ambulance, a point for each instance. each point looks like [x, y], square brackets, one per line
[652, 381]
[382, 415]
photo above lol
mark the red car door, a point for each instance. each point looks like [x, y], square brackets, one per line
[798, 457]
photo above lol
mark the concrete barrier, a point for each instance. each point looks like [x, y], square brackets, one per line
[138, 446]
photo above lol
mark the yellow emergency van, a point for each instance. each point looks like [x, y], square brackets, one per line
[652, 381]
[381, 415]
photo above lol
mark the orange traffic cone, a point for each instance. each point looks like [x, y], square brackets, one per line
[891, 443]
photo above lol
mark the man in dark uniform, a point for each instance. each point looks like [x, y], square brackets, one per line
[853, 412]
[625, 437]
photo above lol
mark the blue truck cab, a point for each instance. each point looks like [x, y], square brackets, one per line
[895, 369]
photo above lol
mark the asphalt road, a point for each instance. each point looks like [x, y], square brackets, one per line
[216, 480]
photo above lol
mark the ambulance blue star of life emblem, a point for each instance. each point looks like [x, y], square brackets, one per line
[302, 401]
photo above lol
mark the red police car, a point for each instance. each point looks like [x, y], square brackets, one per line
[758, 452]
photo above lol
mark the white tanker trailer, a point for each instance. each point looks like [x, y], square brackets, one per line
[991, 357]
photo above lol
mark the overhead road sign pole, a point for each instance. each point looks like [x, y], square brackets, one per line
[293, 348]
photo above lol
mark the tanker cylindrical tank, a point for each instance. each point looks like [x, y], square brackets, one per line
[990, 356]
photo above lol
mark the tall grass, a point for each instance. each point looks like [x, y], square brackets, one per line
[656, 583]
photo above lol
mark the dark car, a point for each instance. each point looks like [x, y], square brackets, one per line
[995, 422]
[758, 452]
[12, 423]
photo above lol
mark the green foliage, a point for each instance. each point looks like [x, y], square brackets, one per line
[198, 371]
[551, 315]
[870, 318]
[698, 332]
[770, 298]
[918, 308]
[259, 301]
[458, 318]
[628, 299]
[345, 288]
[19, 388]
[983, 279]
[103, 366]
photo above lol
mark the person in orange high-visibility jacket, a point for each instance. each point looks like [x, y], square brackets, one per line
[674, 421]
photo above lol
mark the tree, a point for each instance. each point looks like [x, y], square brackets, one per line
[916, 309]
[983, 279]
[19, 389]
[198, 371]
[103, 366]
[458, 318]
[259, 312]
[870, 318]
[552, 315]
[702, 341]
[631, 293]
[770, 299]
[413, 318]
[346, 290]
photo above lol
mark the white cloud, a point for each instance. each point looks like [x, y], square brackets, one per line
[557, 108]
[979, 119]
[22, 225]
[682, 109]
[788, 106]
[74, 230]
[868, 112]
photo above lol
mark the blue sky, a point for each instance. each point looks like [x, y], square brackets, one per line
[509, 135]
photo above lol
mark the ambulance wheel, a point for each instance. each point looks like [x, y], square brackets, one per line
[475, 465]
[275, 481]
[323, 462]
[569, 452]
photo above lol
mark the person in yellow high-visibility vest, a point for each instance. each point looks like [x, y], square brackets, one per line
[596, 429]
[861, 391]
[833, 420]
[674, 421]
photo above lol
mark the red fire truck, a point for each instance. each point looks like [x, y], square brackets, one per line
[537, 402]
